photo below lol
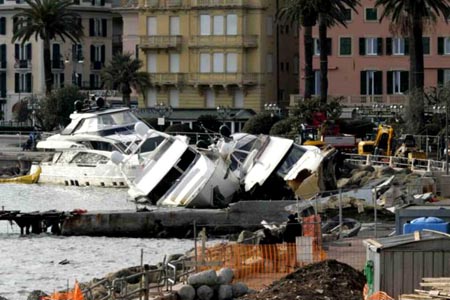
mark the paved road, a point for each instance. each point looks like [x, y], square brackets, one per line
[12, 143]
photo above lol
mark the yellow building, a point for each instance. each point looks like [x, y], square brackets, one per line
[210, 53]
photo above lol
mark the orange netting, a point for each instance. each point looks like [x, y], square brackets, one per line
[375, 296]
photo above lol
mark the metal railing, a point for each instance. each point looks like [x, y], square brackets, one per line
[160, 41]
[224, 40]
[224, 78]
[362, 100]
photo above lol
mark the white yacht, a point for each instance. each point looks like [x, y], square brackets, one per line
[82, 151]
[177, 174]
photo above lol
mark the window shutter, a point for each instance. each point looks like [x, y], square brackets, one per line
[379, 46]
[426, 45]
[362, 46]
[404, 81]
[74, 52]
[440, 45]
[16, 83]
[2, 25]
[104, 27]
[3, 55]
[61, 79]
[102, 2]
[363, 82]
[92, 53]
[388, 46]
[29, 51]
[93, 2]
[329, 46]
[390, 89]
[14, 24]
[407, 46]
[80, 79]
[3, 84]
[17, 51]
[378, 82]
[28, 83]
[103, 54]
[92, 81]
[91, 27]
[440, 75]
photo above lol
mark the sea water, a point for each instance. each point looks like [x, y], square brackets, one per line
[34, 262]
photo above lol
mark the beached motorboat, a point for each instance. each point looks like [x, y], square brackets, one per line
[82, 151]
[276, 168]
[177, 174]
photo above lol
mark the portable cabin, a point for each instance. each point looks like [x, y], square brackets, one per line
[400, 262]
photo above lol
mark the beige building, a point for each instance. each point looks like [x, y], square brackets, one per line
[21, 67]
[210, 53]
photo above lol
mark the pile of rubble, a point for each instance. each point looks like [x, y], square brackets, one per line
[326, 280]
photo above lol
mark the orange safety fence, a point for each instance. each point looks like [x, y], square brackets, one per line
[375, 296]
[75, 294]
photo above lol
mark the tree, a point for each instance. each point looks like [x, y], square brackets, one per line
[260, 123]
[47, 20]
[56, 108]
[307, 13]
[409, 18]
[123, 73]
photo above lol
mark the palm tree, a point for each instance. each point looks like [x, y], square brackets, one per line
[410, 17]
[123, 73]
[47, 20]
[303, 12]
[307, 13]
[331, 13]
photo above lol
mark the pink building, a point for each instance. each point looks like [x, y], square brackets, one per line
[369, 64]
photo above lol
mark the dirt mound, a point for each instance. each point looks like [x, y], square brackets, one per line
[327, 280]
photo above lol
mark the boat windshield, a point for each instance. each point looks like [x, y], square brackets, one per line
[149, 145]
[290, 159]
[101, 122]
[243, 147]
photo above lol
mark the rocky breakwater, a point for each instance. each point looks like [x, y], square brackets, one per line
[212, 285]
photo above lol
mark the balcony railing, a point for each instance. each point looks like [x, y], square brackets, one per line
[87, 85]
[160, 42]
[167, 78]
[97, 65]
[224, 78]
[362, 100]
[23, 64]
[58, 64]
[229, 3]
[246, 41]
[160, 3]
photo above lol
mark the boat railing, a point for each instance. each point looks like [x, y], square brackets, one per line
[194, 137]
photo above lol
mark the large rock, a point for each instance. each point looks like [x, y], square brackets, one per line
[186, 292]
[36, 295]
[225, 292]
[204, 292]
[203, 278]
[239, 289]
[246, 237]
[3, 298]
[225, 276]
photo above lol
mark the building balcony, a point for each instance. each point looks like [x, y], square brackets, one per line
[224, 79]
[160, 3]
[228, 3]
[22, 64]
[97, 65]
[231, 41]
[160, 79]
[362, 100]
[57, 64]
[160, 42]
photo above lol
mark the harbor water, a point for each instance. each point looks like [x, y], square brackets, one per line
[47, 262]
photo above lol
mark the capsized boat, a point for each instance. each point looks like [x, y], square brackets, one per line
[26, 179]
[177, 174]
[277, 168]
[82, 151]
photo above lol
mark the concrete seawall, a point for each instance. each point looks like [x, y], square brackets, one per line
[177, 222]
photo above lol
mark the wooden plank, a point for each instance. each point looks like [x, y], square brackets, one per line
[414, 297]
[436, 279]
[375, 243]
[435, 284]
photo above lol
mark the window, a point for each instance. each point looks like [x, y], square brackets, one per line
[232, 62]
[205, 63]
[269, 63]
[397, 82]
[174, 62]
[398, 46]
[443, 76]
[317, 46]
[232, 24]
[426, 45]
[316, 83]
[152, 28]
[218, 61]
[22, 53]
[174, 25]
[218, 28]
[348, 14]
[97, 56]
[2, 25]
[174, 97]
[443, 45]
[371, 14]
[2, 84]
[77, 53]
[22, 83]
[269, 26]
[95, 82]
[98, 2]
[345, 46]
[210, 96]
[371, 45]
[97, 27]
[371, 83]
[205, 25]
[152, 63]
[58, 80]
[3, 56]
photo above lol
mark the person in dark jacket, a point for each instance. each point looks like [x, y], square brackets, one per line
[293, 230]
[269, 249]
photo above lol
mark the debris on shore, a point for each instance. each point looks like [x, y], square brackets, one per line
[326, 280]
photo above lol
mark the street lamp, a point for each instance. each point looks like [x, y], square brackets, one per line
[273, 108]
[164, 111]
[444, 109]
